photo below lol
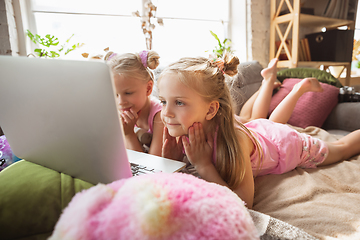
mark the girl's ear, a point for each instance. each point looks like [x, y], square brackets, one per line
[149, 87]
[213, 109]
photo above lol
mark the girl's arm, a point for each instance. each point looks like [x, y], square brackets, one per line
[132, 142]
[199, 152]
[128, 120]
[246, 188]
[157, 138]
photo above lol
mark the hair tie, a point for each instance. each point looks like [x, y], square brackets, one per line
[219, 63]
[112, 55]
[143, 56]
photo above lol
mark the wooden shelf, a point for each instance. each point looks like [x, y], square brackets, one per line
[318, 21]
[286, 63]
[294, 21]
[313, 21]
[355, 81]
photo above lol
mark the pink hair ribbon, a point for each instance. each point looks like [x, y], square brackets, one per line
[112, 55]
[143, 56]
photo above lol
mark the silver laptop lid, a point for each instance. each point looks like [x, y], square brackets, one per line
[62, 114]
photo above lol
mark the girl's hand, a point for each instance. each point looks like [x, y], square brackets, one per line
[198, 148]
[171, 148]
[128, 119]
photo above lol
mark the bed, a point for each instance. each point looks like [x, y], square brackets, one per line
[320, 203]
[323, 202]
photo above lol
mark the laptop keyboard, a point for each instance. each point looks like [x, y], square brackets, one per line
[140, 169]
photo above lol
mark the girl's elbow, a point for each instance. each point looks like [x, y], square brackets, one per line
[249, 204]
[248, 199]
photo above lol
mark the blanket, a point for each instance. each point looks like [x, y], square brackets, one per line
[323, 202]
[270, 228]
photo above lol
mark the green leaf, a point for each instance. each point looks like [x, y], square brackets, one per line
[38, 52]
[51, 40]
[54, 54]
[70, 49]
[216, 37]
[31, 36]
[69, 38]
[358, 64]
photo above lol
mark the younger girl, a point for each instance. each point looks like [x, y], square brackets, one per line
[134, 84]
[257, 106]
[198, 117]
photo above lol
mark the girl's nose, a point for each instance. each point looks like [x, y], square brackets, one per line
[167, 111]
[120, 99]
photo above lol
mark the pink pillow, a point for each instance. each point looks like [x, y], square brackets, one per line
[312, 108]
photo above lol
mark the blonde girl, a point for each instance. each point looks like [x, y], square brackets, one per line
[134, 84]
[199, 121]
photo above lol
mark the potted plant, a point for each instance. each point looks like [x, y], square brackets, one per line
[50, 47]
[222, 46]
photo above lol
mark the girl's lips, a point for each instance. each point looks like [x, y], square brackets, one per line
[125, 109]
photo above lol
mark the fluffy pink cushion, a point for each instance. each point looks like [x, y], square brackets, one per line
[312, 108]
[156, 206]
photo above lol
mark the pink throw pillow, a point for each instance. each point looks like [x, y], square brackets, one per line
[312, 108]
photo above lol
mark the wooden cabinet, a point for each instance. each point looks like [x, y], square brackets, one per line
[289, 25]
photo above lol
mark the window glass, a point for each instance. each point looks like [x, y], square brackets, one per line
[109, 23]
[184, 38]
[193, 9]
[120, 34]
[118, 7]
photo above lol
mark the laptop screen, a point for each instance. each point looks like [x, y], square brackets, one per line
[62, 114]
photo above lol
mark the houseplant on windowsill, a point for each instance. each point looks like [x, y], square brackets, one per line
[221, 47]
[50, 47]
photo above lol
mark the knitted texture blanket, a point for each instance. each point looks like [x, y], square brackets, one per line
[156, 206]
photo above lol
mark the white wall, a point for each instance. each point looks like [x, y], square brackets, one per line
[8, 34]
[250, 24]
[5, 48]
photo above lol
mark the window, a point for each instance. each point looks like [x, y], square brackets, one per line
[110, 23]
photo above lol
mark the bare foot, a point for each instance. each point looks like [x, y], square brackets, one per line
[269, 73]
[277, 84]
[309, 85]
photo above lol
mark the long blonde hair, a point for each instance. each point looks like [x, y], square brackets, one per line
[206, 77]
[130, 64]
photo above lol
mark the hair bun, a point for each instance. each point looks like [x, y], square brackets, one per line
[153, 59]
[231, 63]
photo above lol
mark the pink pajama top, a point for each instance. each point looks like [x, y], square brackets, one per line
[284, 148]
[155, 107]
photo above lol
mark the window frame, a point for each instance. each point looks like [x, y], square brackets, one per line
[236, 29]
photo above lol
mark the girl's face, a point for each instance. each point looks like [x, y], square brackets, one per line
[131, 93]
[182, 106]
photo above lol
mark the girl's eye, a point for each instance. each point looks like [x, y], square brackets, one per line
[162, 102]
[129, 93]
[179, 103]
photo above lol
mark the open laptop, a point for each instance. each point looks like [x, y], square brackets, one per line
[62, 114]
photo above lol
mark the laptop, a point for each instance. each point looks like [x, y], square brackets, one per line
[62, 114]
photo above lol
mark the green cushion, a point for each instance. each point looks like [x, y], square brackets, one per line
[32, 199]
[321, 75]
